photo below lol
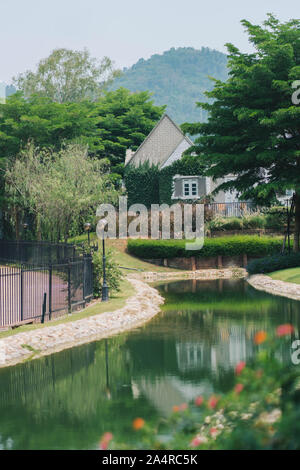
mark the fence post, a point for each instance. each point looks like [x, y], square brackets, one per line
[21, 293]
[44, 307]
[84, 277]
[50, 291]
[69, 287]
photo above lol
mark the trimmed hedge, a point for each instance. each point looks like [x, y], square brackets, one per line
[226, 246]
[273, 263]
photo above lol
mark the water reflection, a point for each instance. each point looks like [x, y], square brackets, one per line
[69, 399]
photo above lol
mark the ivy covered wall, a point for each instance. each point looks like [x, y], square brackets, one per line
[186, 166]
[148, 185]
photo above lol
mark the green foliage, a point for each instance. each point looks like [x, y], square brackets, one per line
[253, 126]
[276, 217]
[177, 78]
[57, 188]
[226, 246]
[187, 165]
[67, 76]
[125, 119]
[262, 410]
[142, 184]
[118, 120]
[113, 273]
[274, 263]
[246, 222]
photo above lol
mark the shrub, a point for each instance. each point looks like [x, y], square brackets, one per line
[273, 263]
[250, 221]
[253, 221]
[276, 217]
[113, 273]
[226, 246]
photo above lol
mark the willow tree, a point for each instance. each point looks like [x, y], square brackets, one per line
[253, 130]
[57, 188]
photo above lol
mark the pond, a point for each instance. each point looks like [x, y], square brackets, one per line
[69, 399]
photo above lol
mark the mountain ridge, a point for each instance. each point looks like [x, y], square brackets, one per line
[178, 78]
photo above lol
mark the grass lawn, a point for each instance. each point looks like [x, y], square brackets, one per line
[115, 302]
[288, 275]
[118, 248]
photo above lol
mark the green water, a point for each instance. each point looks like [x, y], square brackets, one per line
[67, 400]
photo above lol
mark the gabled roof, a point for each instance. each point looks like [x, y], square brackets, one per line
[162, 141]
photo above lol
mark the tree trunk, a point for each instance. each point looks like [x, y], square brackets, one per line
[297, 222]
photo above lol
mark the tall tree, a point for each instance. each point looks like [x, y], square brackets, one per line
[68, 76]
[125, 119]
[253, 131]
[57, 188]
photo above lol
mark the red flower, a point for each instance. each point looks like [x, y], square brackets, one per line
[175, 409]
[238, 388]
[284, 330]
[197, 441]
[105, 440]
[213, 431]
[240, 366]
[199, 401]
[212, 402]
[260, 337]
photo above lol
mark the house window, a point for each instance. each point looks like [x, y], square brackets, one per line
[190, 188]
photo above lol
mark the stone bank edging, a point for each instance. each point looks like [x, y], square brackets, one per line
[275, 287]
[139, 308]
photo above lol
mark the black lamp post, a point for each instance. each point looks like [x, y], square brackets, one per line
[25, 228]
[87, 228]
[105, 291]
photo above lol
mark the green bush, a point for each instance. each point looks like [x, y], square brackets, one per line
[250, 221]
[227, 246]
[113, 273]
[253, 221]
[276, 217]
[273, 263]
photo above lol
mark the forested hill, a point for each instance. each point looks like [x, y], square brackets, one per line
[178, 79]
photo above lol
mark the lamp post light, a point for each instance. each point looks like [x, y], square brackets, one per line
[105, 291]
[25, 228]
[87, 228]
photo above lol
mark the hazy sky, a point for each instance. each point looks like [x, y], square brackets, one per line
[124, 30]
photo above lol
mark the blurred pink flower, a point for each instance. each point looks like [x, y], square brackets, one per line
[240, 366]
[238, 388]
[283, 330]
[196, 442]
[199, 401]
[105, 440]
[213, 401]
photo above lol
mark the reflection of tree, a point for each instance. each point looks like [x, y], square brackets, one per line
[67, 393]
[69, 399]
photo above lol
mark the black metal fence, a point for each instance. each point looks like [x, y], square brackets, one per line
[41, 292]
[36, 253]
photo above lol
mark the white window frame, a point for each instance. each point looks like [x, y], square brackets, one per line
[186, 179]
[189, 182]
